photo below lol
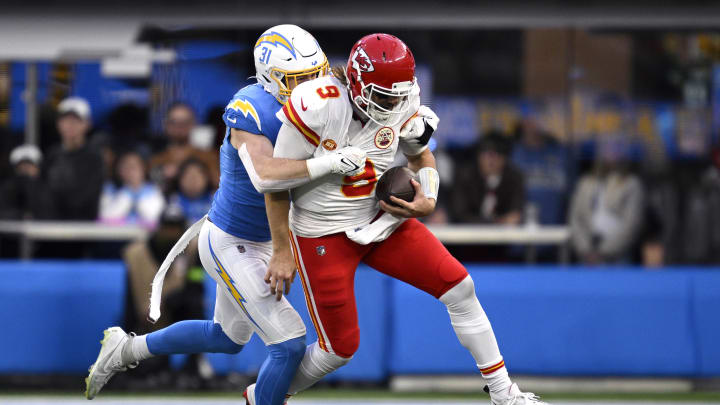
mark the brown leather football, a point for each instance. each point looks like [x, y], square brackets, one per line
[396, 181]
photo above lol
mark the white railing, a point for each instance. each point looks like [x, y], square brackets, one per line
[531, 236]
[31, 231]
[500, 235]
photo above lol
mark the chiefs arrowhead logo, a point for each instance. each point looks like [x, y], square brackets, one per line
[384, 137]
[361, 61]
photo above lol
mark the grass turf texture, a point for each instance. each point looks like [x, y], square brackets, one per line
[374, 394]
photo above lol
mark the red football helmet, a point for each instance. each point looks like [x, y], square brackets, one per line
[381, 74]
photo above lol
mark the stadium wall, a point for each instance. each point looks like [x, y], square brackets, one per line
[563, 321]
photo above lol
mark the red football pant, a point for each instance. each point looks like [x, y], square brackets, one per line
[327, 264]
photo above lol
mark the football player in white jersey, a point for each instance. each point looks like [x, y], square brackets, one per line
[234, 238]
[335, 222]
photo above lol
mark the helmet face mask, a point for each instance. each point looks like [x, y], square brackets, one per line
[285, 56]
[383, 106]
[288, 80]
[381, 76]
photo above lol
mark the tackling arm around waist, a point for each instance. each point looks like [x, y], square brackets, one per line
[267, 173]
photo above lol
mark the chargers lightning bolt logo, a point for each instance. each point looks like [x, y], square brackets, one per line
[276, 39]
[230, 283]
[246, 108]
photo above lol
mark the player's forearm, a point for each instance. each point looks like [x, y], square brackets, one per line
[424, 165]
[269, 174]
[277, 206]
[271, 168]
[424, 159]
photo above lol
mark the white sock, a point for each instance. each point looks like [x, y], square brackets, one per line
[475, 333]
[316, 364]
[497, 379]
[136, 349]
[140, 349]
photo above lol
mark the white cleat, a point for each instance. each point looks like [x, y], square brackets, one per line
[517, 397]
[249, 394]
[109, 361]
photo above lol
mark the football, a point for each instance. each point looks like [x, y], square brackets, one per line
[396, 181]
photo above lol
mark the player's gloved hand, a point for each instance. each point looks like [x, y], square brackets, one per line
[280, 273]
[348, 161]
[420, 206]
[420, 127]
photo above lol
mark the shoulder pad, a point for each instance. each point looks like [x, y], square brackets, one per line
[307, 110]
[242, 114]
[316, 94]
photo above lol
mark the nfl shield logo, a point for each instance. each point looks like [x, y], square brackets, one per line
[320, 250]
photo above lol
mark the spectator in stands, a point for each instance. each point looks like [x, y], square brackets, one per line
[214, 119]
[652, 249]
[74, 170]
[24, 195]
[544, 164]
[607, 208]
[489, 190]
[178, 125]
[7, 142]
[130, 197]
[194, 194]
[701, 219]
[127, 127]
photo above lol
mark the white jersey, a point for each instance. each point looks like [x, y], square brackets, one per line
[321, 112]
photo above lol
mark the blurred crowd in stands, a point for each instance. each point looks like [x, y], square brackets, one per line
[161, 183]
[116, 178]
[615, 213]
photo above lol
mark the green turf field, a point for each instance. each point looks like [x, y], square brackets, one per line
[351, 397]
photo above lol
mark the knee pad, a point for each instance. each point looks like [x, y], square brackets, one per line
[293, 349]
[463, 291]
[466, 313]
[219, 341]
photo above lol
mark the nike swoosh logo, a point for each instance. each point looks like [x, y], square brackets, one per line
[302, 105]
[233, 120]
[349, 163]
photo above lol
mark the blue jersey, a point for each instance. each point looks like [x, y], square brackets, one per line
[237, 207]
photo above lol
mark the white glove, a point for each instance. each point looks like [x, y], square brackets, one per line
[424, 120]
[348, 161]
[415, 135]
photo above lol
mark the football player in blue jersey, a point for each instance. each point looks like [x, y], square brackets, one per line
[235, 239]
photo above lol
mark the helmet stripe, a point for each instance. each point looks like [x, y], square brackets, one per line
[275, 38]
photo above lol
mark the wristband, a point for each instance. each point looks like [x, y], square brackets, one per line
[429, 181]
[319, 166]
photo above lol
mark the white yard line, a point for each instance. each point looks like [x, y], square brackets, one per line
[40, 400]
